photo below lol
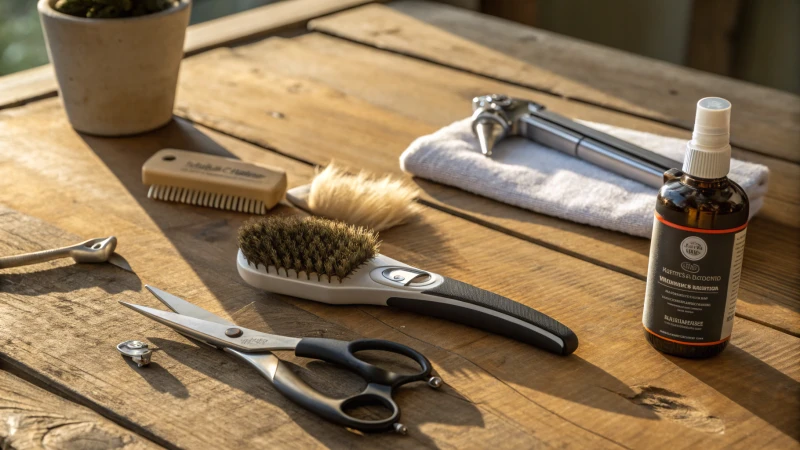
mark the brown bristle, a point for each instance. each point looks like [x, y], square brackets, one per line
[312, 245]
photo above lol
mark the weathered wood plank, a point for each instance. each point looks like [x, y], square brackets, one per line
[615, 391]
[764, 120]
[38, 83]
[437, 96]
[452, 99]
[31, 417]
[27, 86]
[196, 245]
[259, 22]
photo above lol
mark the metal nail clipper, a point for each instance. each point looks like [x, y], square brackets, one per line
[496, 116]
[256, 348]
[98, 250]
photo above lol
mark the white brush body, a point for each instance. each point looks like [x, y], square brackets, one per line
[365, 286]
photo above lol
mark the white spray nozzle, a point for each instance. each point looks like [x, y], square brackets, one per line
[708, 154]
[712, 123]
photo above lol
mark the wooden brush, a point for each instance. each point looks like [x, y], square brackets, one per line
[363, 199]
[213, 181]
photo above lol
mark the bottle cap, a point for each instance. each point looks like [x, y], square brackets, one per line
[708, 154]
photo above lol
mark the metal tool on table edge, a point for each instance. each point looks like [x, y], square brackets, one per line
[97, 250]
[496, 116]
[255, 348]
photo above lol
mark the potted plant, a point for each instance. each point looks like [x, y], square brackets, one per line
[116, 61]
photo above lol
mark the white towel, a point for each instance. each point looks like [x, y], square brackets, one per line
[528, 175]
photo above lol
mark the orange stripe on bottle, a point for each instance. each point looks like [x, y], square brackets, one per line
[698, 230]
[698, 344]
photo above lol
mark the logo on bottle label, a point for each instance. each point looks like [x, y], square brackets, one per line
[685, 301]
[689, 267]
[693, 248]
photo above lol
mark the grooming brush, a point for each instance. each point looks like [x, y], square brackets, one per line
[332, 262]
[213, 181]
[363, 199]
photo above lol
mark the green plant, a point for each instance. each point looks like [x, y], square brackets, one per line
[101, 9]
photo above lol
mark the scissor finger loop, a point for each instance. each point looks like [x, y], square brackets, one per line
[255, 348]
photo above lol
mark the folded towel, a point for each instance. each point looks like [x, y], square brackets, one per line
[528, 175]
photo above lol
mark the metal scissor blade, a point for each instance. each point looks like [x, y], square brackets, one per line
[250, 341]
[181, 306]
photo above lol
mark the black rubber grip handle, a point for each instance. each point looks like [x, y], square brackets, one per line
[343, 354]
[380, 382]
[466, 304]
[332, 409]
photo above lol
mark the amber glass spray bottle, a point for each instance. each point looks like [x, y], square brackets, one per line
[698, 243]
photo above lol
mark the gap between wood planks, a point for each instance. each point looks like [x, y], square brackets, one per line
[32, 376]
[486, 224]
[542, 243]
[537, 89]
[281, 18]
[570, 67]
[317, 70]
[322, 70]
[316, 308]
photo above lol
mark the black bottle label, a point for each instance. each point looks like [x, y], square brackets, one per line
[692, 282]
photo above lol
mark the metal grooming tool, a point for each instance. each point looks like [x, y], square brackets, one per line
[255, 348]
[98, 250]
[138, 351]
[496, 116]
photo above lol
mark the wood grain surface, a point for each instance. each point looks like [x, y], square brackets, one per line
[764, 120]
[40, 82]
[497, 390]
[32, 418]
[346, 86]
[27, 86]
[295, 103]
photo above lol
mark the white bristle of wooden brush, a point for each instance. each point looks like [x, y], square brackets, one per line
[208, 199]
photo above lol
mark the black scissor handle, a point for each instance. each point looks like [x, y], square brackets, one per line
[380, 382]
[343, 354]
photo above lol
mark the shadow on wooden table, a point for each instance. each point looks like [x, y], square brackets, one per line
[204, 237]
[475, 208]
[159, 378]
[414, 400]
[110, 279]
[751, 383]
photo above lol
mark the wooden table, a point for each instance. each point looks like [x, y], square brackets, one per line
[357, 86]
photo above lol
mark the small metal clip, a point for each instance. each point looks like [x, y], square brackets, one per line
[138, 351]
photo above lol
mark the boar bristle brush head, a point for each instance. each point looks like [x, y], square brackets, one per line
[310, 245]
[362, 199]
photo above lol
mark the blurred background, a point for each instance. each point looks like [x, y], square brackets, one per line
[752, 40]
[22, 43]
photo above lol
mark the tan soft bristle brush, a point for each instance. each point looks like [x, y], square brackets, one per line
[213, 181]
[362, 199]
[332, 262]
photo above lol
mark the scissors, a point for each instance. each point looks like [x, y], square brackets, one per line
[255, 348]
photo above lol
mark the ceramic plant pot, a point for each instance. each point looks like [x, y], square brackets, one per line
[116, 76]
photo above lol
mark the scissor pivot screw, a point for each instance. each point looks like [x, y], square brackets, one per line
[400, 428]
[233, 332]
[435, 382]
[137, 351]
